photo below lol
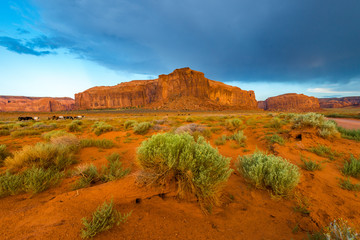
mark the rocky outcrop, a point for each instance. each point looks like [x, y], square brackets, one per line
[339, 102]
[182, 89]
[35, 104]
[291, 102]
[262, 105]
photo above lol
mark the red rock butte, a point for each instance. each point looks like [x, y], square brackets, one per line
[290, 102]
[339, 102]
[35, 104]
[183, 89]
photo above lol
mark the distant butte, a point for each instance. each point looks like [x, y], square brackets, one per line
[339, 102]
[290, 102]
[183, 89]
[35, 104]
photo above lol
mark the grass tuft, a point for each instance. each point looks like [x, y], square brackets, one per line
[129, 124]
[220, 140]
[324, 151]
[104, 218]
[233, 124]
[101, 127]
[100, 143]
[114, 169]
[310, 165]
[142, 128]
[4, 153]
[347, 185]
[89, 175]
[352, 167]
[38, 179]
[351, 134]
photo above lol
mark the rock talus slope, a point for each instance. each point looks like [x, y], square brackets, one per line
[183, 89]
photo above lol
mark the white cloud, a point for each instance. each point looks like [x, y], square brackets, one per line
[328, 90]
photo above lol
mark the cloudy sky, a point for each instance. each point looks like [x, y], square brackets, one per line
[61, 47]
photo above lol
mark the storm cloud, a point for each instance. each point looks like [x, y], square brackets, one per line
[229, 40]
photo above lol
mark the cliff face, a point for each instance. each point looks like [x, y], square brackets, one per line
[35, 104]
[291, 102]
[182, 89]
[339, 102]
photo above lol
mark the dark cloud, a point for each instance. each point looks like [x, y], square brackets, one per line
[228, 40]
[16, 45]
[22, 31]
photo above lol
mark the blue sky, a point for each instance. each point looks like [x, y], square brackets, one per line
[61, 47]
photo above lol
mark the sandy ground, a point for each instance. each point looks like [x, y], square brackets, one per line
[347, 123]
[246, 212]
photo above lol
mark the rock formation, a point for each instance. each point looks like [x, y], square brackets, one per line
[183, 89]
[35, 104]
[291, 102]
[339, 102]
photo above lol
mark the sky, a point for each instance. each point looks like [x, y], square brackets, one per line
[61, 47]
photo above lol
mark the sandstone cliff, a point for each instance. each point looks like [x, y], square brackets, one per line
[291, 102]
[35, 104]
[339, 102]
[182, 89]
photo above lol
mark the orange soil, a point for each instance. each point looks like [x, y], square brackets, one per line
[246, 212]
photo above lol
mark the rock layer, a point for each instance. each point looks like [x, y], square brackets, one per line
[183, 89]
[35, 104]
[291, 102]
[339, 102]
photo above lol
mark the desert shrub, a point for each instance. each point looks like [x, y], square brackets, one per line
[220, 140]
[4, 132]
[197, 168]
[101, 127]
[310, 165]
[324, 151]
[4, 153]
[10, 184]
[347, 185]
[352, 167]
[276, 139]
[130, 123]
[42, 155]
[339, 229]
[89, 175]
[276, 123]
[41, 125]
[114, 169]
[326, 128]
[189, 119]
[142, 128]
[104, 218]
[239, 137]
[189, 128]
[206, 133]
[269, 171]
[70, 141]
[100, 143]
[75, 126]
[351, 134]
[55, 133]
[216, 130]
[38, 179]
[27, 132]
[233, 124]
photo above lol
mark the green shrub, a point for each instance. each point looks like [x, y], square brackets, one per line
[269, 171]
[38, 179]
[75, 126]
[206, 133]
[239, 137]
[347, 185]
[276, 139]
[310, 165]
[101, 127]
[220, 140]
[4, 132]
[276, 123]
[55, 133]
[114, 169]
[130, 123]
[22, 133]
[233, 124]
[42, 155]
[10, 184]
[142, 128]
[4, 153]
[189, 119]
[324, 151]
[352, 167]
[326, 128]
[351, 134]
[89, 175]
[216, 130]
[104, 218]
[100, 143]
[196, 167]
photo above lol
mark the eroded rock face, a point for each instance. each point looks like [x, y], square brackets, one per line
[182, 89]
[35, 104]
[339, 102]
[291, 102]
